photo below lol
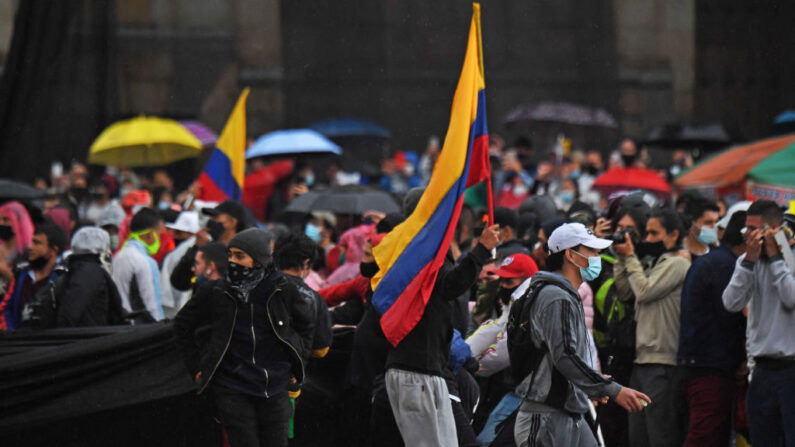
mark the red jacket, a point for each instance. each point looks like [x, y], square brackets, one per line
[338, 293]
[259, 186]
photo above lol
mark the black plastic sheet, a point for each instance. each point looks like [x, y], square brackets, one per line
[127, 386]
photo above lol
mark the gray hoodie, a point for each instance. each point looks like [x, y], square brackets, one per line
[558, 320]
[768, 288]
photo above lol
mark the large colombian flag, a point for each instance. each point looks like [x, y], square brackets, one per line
[225, 170]
[410, 256]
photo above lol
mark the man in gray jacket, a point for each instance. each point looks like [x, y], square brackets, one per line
[555, 395]
[762, 281]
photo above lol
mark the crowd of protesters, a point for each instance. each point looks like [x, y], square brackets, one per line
[645, 321]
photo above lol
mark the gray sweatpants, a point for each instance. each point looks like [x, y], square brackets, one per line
[551, 427]
[422, 409]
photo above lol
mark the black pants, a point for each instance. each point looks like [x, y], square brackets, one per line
[253, 421]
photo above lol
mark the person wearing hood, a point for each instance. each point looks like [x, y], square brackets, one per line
[555, 394]
[657, 291]
[261, 333]
[88, 297]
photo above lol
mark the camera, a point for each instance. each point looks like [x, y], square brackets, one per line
[620, 237]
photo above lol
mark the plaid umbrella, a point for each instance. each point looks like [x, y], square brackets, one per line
[205, 136]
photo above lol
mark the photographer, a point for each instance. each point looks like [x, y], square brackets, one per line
[762, 281]
[657, 291]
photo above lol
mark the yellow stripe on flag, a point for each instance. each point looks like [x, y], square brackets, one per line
[232, 141]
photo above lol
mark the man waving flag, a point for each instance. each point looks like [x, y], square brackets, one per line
[418, 277]
[410, 256]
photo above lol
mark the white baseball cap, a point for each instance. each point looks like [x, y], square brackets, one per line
[739, 206]
[187, 221]
[573, 234]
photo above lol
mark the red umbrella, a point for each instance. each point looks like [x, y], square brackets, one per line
[632, 178]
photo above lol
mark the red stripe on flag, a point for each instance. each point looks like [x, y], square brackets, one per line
[479, 164]
[210, 191]
[408, 308]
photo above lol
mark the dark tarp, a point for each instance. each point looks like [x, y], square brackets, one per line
[127, 386]
[57, 89]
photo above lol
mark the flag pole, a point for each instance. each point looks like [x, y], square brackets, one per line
[489, 192]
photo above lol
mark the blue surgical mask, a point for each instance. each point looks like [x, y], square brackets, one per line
[312, 231]
[310, 179]
[708, 236]
[574, 175]
[594, 267]
[566, 196]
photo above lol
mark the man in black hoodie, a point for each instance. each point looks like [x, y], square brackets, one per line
[261, 338]
[417, 366]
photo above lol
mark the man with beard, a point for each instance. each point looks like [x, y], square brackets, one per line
[49, 242]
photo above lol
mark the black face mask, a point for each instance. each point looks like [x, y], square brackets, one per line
[6, 232]
[242, 280]
[38, 263]
[216, 229]
[628, 160]
[505, 294]
[368, 269]
[653, 249]
[591, 169]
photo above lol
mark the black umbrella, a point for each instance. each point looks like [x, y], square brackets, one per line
[561, 112]
[344, 200]
[707, 137]
[11, 190]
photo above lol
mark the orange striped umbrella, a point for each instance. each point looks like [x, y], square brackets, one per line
[731, 166]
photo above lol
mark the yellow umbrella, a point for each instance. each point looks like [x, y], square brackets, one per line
[143, 141]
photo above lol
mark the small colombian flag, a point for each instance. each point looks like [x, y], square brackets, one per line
[225, 170]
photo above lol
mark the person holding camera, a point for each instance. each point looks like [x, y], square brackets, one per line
[763, 282]
[657, 291]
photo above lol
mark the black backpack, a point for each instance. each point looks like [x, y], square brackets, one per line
[523, 353]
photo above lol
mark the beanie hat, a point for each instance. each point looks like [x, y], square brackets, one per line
[255, 243]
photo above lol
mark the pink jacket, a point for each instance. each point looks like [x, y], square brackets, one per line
[586, 295]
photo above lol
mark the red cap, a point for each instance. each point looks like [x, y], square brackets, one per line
[517, 265]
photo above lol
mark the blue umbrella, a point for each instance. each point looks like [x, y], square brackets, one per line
[293, 141]
[784, 123]
[346, 127]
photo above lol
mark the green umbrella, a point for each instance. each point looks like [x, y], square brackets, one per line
[777, 169]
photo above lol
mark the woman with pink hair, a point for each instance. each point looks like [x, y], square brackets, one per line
[16, 230]
[352, 243]
[16, 233]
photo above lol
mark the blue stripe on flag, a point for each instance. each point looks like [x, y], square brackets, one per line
[219, 169]
[422, 249]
